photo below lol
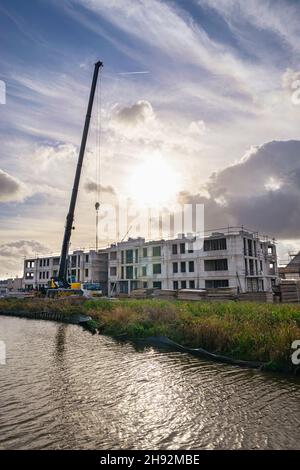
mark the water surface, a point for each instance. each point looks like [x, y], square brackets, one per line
[63, 388]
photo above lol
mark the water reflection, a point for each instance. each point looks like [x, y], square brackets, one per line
[93, 392]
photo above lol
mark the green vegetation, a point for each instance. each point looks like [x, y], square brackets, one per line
[240, 330]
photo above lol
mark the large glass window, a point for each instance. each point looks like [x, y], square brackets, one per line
[157, 268]
[129, 256]
[215, 283]
[129, 272]
[216, 265]
[157, 285]
[156, 251]
[214, 244]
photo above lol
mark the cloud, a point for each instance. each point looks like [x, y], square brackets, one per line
[197, 127]
[139, 112]
[22, 248]
[261, 192]
[106, 193]
[11, 189]
[12, 255]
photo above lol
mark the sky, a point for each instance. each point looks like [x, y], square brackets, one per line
[198, 101]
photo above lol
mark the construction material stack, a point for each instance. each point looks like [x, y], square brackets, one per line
[290, 291]
[265, 297]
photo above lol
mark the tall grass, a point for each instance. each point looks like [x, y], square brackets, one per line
[241, 330]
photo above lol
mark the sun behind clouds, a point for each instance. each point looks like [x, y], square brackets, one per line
[154, 183]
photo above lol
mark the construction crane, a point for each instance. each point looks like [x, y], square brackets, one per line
[61, 282]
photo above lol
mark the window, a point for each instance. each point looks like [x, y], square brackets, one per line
[56, 261]
[261, 265]
[55, 273]
[44, 274]
[144, 270]
[215, 244]
[157, 269]
[190, 248]
[145, 285]
[191, 266]
[113, 270]
[122, 257]
[251, 267]
[129, 256]
[272, 268]
[122, 272]
[129, 272]
[175, 285]
[40, 276]
[182, 267]
[87, 258]
[270, 250]
[250, 252]
[145, 252]
[192, 284]
[183, 284]
[30, 264]
[182, 248]
[41, 263]
[113, 255]
[48, 262]
[44, 262]
[73, 261]
[29, 275]
[215, 283]
[246, 267]
[137, 255]
[216, 265]
[157, 285]
[254, 247]
[175, 268]
[174, 249]
[156, 251]
[135, 274]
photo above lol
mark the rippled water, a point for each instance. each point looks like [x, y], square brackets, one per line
[64, 388]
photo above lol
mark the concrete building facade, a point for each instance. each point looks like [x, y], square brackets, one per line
[84, 267]
[237, 258]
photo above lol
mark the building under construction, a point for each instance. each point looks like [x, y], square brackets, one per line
[235, 258]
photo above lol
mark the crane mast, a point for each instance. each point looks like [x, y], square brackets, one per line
[62, 274]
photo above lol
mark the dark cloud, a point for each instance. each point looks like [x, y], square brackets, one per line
[261, 192]
[92, 187]
[22, 248]
[138, 113]
[10, 187]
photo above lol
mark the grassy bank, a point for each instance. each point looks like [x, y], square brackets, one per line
[240, 330]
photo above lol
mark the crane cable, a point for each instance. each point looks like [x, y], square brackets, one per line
[98, 155]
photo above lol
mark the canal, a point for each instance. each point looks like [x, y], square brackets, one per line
[62, 388]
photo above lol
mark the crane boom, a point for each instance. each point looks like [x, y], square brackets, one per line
[62, 274]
